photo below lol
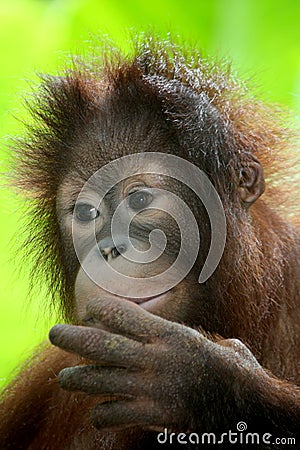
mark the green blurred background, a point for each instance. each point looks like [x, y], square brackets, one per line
[261, 37]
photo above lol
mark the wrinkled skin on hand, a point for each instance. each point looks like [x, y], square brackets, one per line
[148, 371]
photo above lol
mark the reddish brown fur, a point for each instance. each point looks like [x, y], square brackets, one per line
[57, 416]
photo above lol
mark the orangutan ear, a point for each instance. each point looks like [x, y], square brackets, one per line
[251, 183]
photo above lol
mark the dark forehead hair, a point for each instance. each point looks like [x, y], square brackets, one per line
[163, 97]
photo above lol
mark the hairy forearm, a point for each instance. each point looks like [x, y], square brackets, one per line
[246, 393]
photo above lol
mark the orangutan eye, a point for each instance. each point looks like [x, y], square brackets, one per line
[85, 212]
[139, 200]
